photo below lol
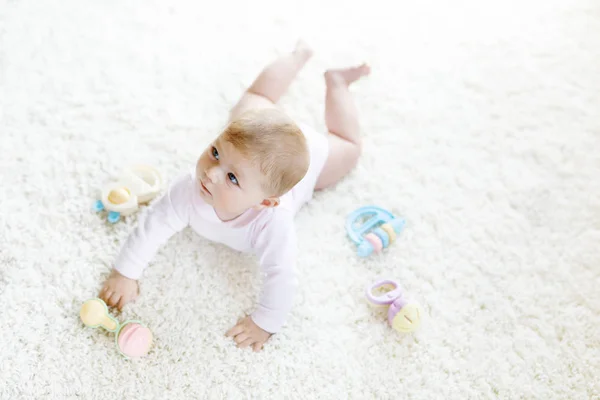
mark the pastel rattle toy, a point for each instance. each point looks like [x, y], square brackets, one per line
[135, 185]
[132, 338]
[373, 229]
[403, 314]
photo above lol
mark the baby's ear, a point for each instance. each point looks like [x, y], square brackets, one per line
[270, 202]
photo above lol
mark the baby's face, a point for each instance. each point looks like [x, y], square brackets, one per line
[228, 182]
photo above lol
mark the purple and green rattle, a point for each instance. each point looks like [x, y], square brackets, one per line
[403, 315]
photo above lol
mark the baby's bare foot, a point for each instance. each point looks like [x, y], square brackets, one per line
[303, 50]
[347, 75]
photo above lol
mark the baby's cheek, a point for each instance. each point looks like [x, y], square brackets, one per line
[234, 203]
[221, 201]
[238, 203]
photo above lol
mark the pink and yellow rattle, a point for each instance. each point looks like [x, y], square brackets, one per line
[403, 315]
[132, 338]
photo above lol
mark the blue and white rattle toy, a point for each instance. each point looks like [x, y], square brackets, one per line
[373, 229]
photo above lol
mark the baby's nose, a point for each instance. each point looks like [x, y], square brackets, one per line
[213, 174]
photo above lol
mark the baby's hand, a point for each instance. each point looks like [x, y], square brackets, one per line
[247, 333]
[118, 290]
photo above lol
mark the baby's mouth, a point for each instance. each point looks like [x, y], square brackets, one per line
[205, 188]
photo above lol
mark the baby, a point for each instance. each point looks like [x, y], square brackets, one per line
[246, 188]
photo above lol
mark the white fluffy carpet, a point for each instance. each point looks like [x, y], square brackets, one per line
[482, 129]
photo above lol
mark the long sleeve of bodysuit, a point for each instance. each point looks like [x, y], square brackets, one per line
[276, 248]
[167, 216]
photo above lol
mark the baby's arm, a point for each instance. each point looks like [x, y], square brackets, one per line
[276, 248]
[162, 220]
[277, 254]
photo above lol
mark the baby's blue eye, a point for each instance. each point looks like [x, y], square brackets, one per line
[215, 152]
[232, 178]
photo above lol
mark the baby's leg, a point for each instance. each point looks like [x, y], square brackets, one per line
[273, 81]
[341, 118]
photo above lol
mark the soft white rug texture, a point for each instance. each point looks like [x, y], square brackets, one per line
[481, 128]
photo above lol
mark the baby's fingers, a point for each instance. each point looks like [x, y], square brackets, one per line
[105, 294]
[124, 300]
[104, 291]
[241, 338]
[113, 300]
[246, 343]
[236, 330]
[257, 346]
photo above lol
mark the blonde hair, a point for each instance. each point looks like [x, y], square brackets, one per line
[273, 142]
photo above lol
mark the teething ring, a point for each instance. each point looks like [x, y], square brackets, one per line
[386, 298]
